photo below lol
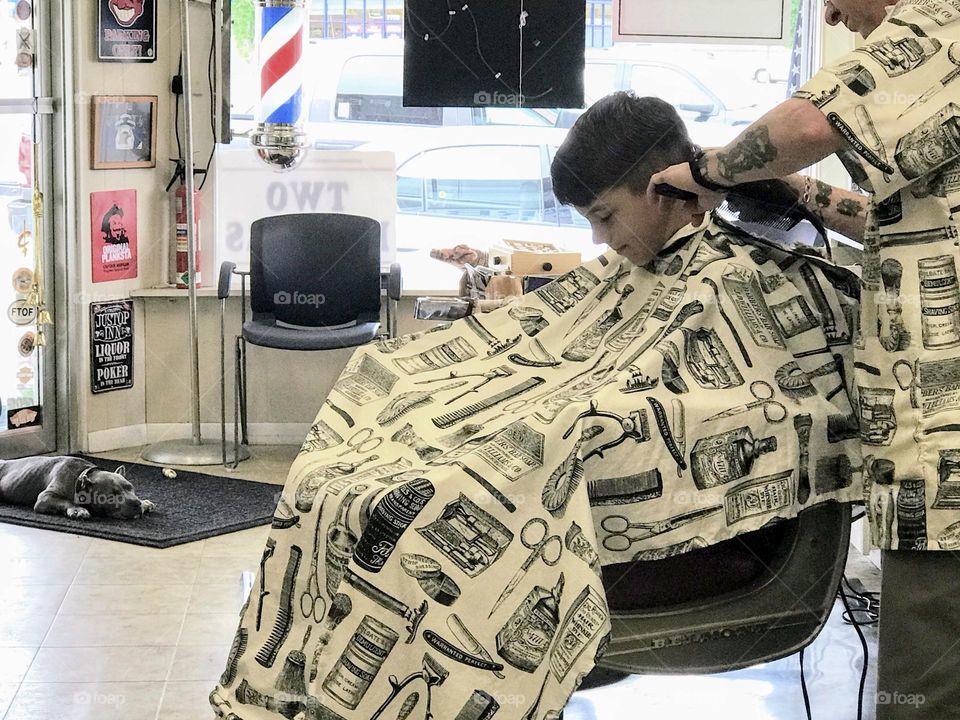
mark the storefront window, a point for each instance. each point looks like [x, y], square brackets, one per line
[459, 169]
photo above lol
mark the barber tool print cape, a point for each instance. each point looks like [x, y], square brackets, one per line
[896, 101]
[437, 549]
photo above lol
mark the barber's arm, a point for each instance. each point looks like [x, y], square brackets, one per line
[843, 211]
[792, 136]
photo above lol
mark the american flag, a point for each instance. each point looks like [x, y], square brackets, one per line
[796, 74]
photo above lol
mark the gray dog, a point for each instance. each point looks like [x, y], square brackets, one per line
[69, 486]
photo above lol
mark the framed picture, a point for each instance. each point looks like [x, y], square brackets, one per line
[113, 235]
[124, 131]
[127, 31]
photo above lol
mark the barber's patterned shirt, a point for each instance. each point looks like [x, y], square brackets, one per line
[440, 537]
[896, 101]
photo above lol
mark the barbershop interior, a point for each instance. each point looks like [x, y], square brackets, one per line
[635, 410]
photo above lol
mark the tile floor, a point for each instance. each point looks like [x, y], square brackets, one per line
[98, 630]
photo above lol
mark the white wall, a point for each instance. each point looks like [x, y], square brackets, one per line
[124, 408]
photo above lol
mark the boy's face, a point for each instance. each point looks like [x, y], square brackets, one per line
[633, 224]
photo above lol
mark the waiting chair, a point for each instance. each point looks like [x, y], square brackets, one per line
[315, 284]
[755, 598]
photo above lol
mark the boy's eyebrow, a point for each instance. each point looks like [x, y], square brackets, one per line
[596, 207]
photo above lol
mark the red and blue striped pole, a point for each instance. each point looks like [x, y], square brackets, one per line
[279, 138]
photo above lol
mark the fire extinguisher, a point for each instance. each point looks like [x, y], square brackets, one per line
[180, 226]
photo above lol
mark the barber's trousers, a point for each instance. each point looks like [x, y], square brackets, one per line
[919, 664]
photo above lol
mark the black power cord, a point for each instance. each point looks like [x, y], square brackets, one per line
[803, 687]
[863, 643]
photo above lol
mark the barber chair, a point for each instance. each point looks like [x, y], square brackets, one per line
[315, 284]
[755, 598]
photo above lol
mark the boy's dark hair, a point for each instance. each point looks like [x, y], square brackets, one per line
[621, 140]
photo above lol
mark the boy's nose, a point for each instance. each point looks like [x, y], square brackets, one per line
[831, 14]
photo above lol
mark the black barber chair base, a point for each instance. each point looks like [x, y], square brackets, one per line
[755, 598]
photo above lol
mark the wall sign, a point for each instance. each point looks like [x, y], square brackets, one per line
[127, 31]
[21, 312]
[113, 235]
[755, 21]
[24, 417]
[111, 346]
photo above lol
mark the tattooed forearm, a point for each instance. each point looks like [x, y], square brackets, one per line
[850, 208]
[823, 197]
[753, 152]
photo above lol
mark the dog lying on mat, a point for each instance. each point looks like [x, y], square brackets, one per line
[70, 486]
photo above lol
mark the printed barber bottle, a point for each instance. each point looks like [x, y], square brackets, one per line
[524, 640]
[390, 518]
[340, 541]
[722, 458]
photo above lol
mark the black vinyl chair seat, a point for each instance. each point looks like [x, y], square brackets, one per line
[263, 330]
[755, 598]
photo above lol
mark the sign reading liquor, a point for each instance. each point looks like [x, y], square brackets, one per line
[127, 31]
[111, 346]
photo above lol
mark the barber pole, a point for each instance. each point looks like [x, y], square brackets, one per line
[279, 139]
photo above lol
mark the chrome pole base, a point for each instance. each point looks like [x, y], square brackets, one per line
[185, 452]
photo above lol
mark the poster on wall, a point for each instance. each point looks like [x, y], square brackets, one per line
[111, 346]
[755, 21]
[493, 56]
[113, 235]
[127, 31]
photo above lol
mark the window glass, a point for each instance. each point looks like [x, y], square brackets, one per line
[459, 177]
[371, 90]
[501, 182]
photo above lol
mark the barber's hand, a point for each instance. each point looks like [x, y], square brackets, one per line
[458, 256]
[679, 176]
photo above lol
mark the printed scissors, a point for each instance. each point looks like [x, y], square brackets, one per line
[773, 411]
[618, 526]
[907, 379]
[312, 598]
[547, 548]
[368, 444]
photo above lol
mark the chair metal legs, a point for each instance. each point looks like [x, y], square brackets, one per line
[239, 404]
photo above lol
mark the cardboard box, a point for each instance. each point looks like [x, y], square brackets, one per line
[534, 258]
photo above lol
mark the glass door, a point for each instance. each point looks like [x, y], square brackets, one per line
[27, 391]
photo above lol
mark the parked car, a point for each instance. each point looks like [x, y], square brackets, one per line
[478, 186]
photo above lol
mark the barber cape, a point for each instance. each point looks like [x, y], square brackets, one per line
[896, 101]
[438, 544]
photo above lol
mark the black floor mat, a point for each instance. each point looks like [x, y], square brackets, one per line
[190, 507]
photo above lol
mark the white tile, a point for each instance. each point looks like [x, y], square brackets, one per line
[34, 542]
[247, 542]
[111, 571]
[186, 701]
[199, 662]
[14, 662]
[224, 570]
[26, 600]
[113, 629]
[99, 664]
[209, 629]
[125, 551]
[86, 701]
[129, 599]
[24, 630]
[220, 598]
[45, 569]
[7, 691]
